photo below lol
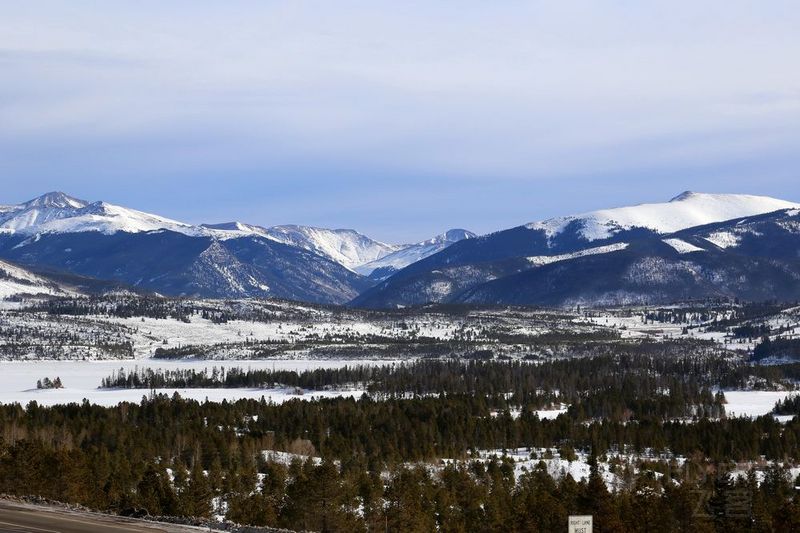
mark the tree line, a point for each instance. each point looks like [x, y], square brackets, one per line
[181, 457]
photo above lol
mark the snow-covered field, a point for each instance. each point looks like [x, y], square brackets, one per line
[81, 380]
[257, 329]
[147, 334]
[631, 324]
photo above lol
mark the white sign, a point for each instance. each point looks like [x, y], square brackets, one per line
[579, 524]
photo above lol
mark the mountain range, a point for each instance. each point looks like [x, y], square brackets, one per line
[693, 246]
[234, 259]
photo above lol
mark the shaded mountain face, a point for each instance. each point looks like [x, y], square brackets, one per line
[647, 272]
[145, 251]
[17, 281]
[177, 264]
[540, 263]
[57, 212]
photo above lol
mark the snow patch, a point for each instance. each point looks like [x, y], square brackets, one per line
[683, 247]
[723, 239]
[540, 260]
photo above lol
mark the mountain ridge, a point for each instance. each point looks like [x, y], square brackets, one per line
[57, 212]
[387, 265]
[468, 264]
[712, 245]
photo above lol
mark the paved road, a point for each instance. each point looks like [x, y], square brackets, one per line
[25, 518]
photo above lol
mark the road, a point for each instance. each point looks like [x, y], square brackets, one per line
[27, 518]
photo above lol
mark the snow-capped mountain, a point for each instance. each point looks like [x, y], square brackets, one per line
[581, 239]
[59, 213]
[752, 258]
[686, 210]
[387, 265]
[108, 242]
[55, 212]
[146, 251]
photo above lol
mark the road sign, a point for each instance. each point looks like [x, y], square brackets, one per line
[579, 524]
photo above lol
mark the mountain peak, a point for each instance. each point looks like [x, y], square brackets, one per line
[685, 195]
[57, 200]
[457, 234]
[450, 236]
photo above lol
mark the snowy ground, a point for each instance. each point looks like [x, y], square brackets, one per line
[630, 323]
[278, 330]
[527, 459]
[81, 380]
[610, 464]
[111, 397]
[544, 414]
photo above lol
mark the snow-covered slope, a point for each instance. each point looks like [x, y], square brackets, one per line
[42, 210]
[413, 252]
[15, 280]
[345, 246]
[56, 212]
[540, 260]
[687, 210]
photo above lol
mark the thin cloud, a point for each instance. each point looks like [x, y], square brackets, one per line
[511, 95]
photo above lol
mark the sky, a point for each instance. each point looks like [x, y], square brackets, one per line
[398, 119]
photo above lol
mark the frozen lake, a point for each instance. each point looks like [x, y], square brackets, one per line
[81, 379]
[753, 403]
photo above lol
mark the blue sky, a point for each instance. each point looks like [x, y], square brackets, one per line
[399, 119]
